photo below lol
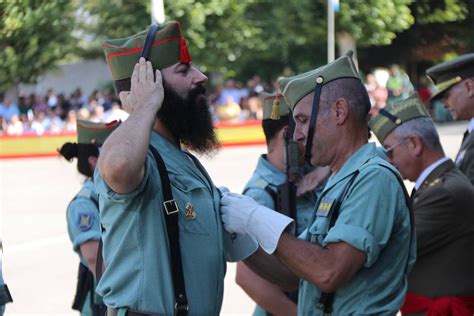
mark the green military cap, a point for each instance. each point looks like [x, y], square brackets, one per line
[94, 133]
[395, 114]
[447, 74]
[169, 47]
[274, 105]
[297, 87]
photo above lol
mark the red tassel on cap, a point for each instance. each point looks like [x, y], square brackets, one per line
[183, 52]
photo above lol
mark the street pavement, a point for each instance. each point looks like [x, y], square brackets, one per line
[39, 264]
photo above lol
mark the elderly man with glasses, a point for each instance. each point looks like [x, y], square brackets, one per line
[443, 200]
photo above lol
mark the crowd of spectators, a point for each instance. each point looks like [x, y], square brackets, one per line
[54, 113]
[398, 86]
[232, 102]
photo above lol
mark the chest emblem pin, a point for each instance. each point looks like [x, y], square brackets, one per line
[190, 213]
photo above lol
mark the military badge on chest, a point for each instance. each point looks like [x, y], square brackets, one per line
[324, 213]
[325, 206]
[190, 213]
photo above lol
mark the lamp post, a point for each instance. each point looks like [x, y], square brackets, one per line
[157, 11]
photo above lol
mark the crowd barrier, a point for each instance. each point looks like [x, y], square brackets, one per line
[46, 145]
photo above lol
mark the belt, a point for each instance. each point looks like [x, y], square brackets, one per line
[446, 305]
[114, 312]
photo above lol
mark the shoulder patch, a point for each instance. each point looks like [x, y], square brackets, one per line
[84, 221]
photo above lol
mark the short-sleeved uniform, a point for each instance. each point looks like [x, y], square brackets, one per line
[465, 157]
[136, 251]
[374, 218]
[267, 175]
[83, 224]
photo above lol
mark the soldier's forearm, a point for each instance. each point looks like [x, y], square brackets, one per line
[269, 268]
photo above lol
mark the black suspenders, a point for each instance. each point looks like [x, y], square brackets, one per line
[171, 213]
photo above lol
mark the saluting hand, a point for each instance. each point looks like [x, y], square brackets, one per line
[146, 90]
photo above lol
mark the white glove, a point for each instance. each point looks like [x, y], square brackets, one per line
[241, 214]
[223, 189]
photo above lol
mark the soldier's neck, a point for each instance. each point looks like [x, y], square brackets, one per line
[165, 133]
[429, 158]
[275, 158]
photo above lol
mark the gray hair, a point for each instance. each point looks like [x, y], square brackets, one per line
[355, 93]
[424, 128]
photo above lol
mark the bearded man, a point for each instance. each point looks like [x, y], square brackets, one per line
[162, 234]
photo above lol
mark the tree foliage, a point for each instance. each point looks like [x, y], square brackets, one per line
[235, 37]
[34, 35]
[244, 37]
[440, 30]
[374, 22]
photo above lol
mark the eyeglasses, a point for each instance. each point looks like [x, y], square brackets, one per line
[389, 151]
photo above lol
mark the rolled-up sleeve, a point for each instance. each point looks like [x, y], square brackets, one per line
[83, 222]
[369, 212]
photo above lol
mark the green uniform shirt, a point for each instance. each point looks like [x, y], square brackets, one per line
[374, 218]
[83, 224]
[136, 253]
[266, 174]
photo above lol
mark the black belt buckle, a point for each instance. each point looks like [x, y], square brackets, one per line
[181, 309]
[171, 207]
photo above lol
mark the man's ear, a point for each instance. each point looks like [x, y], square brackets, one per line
[416, 144]
[285, 130]
[92, 161]
[341, 108]
[469, 86]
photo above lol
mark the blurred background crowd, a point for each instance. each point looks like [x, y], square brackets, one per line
[233, 101]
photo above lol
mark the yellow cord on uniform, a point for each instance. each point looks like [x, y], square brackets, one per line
[276, 109]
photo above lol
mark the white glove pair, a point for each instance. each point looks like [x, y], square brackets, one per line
[241, 214]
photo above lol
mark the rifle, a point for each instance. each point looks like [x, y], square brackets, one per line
[286, 192]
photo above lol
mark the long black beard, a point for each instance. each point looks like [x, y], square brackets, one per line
[189, 119]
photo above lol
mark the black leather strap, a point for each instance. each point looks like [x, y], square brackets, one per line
[5, 296]
[390, 116]
[171, 213]
[312, 123]
[326, 300]
[99, 262]
[409, 202]
[150, 37]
